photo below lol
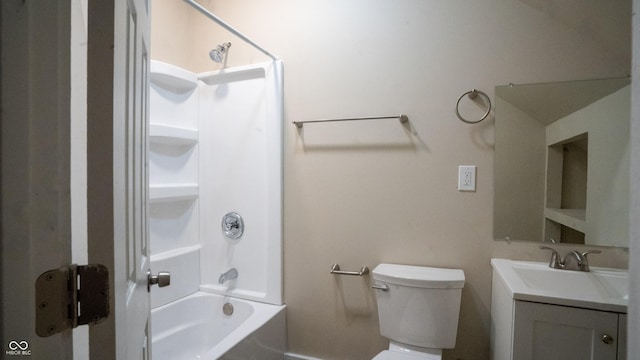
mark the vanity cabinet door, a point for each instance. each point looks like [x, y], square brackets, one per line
[550, 332]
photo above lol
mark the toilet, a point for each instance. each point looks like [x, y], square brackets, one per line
[418, 309]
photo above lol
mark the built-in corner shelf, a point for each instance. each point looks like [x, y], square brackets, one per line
[172, 192]
[573, 218]
[172, 78]
[566, 182]
[177, 252]
[172, 135]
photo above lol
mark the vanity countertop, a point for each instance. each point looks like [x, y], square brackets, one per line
[602, 289]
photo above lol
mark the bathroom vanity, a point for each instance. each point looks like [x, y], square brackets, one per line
[542, 313]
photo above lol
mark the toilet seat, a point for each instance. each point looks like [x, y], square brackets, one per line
[394, 355]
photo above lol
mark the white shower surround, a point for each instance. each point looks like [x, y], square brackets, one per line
[241, 152]
[215, 147]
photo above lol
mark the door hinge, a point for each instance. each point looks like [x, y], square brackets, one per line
[69, 297]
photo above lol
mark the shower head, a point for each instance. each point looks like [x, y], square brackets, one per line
[219, 52]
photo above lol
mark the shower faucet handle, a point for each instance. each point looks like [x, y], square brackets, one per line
[232, 225]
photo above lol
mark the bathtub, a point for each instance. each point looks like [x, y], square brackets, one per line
[253, 331]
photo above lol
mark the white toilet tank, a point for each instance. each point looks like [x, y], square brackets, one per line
[421, 306]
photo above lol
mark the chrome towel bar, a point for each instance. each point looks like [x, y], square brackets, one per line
[335, 269]
[403, 119]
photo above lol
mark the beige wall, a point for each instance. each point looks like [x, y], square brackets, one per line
[183, 37]
[171, 39]
[370, 192]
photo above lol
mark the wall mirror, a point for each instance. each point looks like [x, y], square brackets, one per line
[562, 162]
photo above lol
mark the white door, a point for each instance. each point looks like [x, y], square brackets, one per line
[35, 161]
[117, 111]
[35, 206]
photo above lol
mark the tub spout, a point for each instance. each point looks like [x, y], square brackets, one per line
[230, 274]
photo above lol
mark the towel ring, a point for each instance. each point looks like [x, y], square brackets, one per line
[472, 95]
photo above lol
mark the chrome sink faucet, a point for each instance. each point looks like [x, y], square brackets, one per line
[581, 261]
[555, 262]
[228, 275]
[573, 260]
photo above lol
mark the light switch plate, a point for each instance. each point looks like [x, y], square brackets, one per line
[466, 178]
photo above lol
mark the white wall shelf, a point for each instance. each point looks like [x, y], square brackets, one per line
[172, 78]
[184, 265]
[163, 256]
[172, 135]
[172, 192]
[573, 218]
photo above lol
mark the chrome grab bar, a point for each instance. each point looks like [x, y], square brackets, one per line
[335, 269]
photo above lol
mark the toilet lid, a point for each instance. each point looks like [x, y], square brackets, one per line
[394, 355]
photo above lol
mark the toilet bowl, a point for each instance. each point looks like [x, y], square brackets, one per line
[418, 310]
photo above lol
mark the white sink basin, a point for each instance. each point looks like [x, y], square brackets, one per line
[601, 289]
